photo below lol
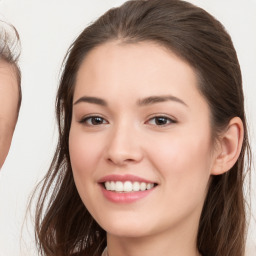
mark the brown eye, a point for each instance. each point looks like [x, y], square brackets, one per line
[93, 120]
[161, 121]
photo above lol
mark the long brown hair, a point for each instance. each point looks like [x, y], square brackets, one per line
[63, 224]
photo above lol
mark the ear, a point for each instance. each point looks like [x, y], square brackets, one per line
[230, 144]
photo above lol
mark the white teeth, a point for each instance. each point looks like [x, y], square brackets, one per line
[112, 185]
[127, 186]
[108, 185]
[143, 186]
[119, 186]
[150, 185]
[136, 186]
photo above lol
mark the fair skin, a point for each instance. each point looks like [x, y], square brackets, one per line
[9, 96]
[137, 111]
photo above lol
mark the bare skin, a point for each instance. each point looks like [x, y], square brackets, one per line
[9, 97]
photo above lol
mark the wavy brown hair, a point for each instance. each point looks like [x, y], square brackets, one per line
[64, 226]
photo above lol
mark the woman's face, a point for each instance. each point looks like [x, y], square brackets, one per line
[140, 140]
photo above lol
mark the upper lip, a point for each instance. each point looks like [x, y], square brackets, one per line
[123, 178]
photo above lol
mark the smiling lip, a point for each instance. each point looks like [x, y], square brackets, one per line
[121, 196]
[123, 178]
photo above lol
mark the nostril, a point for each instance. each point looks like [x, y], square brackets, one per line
[129, 160]
[120, 161]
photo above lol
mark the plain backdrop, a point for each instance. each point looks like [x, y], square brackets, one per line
[47, 28]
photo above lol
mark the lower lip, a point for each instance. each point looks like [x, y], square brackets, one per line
[127, 197]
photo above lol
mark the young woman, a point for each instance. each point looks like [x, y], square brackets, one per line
[152, 139]
[10, 91]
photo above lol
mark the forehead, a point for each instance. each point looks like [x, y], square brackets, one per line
[145, 65]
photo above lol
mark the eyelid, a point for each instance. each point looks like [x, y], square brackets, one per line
[89, 116]
[85, 118]
[170, 119]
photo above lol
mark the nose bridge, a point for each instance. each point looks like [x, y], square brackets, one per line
[124, 145]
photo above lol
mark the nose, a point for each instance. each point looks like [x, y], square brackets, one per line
[124, 146]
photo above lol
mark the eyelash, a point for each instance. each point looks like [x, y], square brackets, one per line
[162, 117]
[91, 118]
[156, 119]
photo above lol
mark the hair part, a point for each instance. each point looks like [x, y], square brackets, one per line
[199, 39]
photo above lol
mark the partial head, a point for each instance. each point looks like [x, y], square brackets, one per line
[188, 31]
[200, 41]
[10, 85]
[10, 52]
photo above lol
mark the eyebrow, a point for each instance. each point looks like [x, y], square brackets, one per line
[158, 99]
[142, 102]
[93, 100]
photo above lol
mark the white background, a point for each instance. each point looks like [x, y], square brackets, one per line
[46, 29]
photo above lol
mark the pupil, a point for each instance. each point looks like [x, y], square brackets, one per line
[161, 120]
[96, 120]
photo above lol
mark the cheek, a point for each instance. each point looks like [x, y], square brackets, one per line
[85, 151]
[184, 162]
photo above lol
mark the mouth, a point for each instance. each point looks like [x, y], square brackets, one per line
[127, 186]
[126, 183]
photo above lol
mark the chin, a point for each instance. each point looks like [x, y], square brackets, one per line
[126, 232]
[125, 227]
